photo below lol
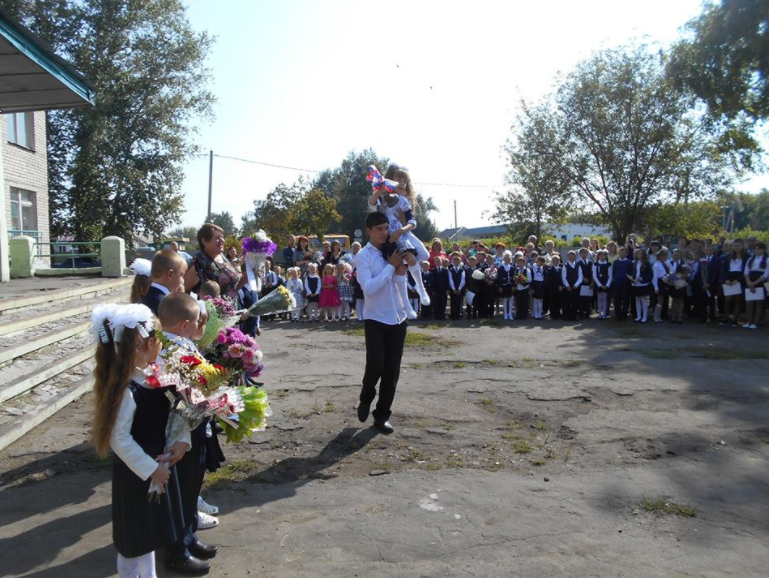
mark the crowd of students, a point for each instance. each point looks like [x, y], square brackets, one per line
[699, 280]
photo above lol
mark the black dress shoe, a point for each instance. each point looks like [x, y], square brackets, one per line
[384, 426]
[191, 566]
[363, 409]
[202, 551]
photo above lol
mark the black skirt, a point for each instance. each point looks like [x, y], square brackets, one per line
[642, 290]
[538, 288]
[507, 291]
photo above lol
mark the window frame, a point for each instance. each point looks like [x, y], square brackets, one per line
[15, 198]
[29, 129]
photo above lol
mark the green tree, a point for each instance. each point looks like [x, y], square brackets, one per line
[724, 59]
[701, 219]
[223, 220]
[541, 190]
[116, 168]
[314, 214]
[189, 232]
[625, 139]
[750, 211]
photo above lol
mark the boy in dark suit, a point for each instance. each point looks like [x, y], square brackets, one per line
[456, 286]
[429, 281]
[168, 269]
[441, 283]
[554, 286]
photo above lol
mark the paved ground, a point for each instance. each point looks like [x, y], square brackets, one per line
[35, 285]
[523, 450]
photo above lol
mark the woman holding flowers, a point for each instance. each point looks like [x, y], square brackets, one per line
[210, 263]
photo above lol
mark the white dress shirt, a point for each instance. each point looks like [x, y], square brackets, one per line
[377, 279]
[461, 278]
[162, 288]
[124, 445]
[660, 273]
[565, 279]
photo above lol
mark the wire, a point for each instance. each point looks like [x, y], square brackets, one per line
[318, 172]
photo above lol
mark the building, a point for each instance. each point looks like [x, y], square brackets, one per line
[25, 169]
[32, 79]
[565, 232]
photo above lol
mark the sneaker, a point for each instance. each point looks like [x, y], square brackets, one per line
[207, 521]
[204, 506]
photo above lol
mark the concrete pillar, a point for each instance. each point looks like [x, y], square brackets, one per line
[5, 268]
[112, 257]
[22, 251]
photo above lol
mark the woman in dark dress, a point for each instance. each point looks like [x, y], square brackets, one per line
[210, 263]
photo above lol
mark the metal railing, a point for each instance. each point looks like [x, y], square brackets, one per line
[70, 253]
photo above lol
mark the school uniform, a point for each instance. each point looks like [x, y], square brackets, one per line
[621, 287]
[713, 294]
[659, 297]
[457, 288]
[441, 277]
[505, 280]
[141, 526]
[471, 285]
[489, 288]
[554, 290]
[572, 280]
[154, 296]
[246, 298]
[585, 303]
[537, 281]
[357, 295]
[522, 293]
[480, 303]
[428, 279]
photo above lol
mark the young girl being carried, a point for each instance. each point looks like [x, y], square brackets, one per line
[343, 278]
[402, 198]
[329, 295]
[130, 416]
[296, 288]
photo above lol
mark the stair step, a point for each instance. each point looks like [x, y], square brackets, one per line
[25, 383]
[48, 338]
[84, 292]
[16, 428]
[35, 320]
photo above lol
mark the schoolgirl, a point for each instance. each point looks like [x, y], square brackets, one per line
[661, 283]
[602, 276]
[357, 294]
[586, 289]
[621, 273]
[506, 284]
[554, 286]
[296, 288]
[756, 274]
[522, 277]
[679, 282]
[343, 278]
[537, 287]
[312, 287]
[732, 277]
[130, 416]
[329, 295]
[641, 277]
[142, 269]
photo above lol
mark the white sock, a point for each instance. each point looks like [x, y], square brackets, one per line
[139, 567]
[359, 304]
[645, 307]
[402, 284]
[416, 273]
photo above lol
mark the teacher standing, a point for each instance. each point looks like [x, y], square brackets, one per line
[385, 324]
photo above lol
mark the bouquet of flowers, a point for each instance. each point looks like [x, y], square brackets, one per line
[491, 274]
[479, 275]
[240, 356]
[682, 277]
[256, 249]
[522, 278]
[278, 301]
[221, 314]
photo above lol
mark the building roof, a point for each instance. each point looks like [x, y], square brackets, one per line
[32, 77]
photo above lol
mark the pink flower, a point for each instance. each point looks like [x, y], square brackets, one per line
[235, 350]
[248, 355]
[221, 338]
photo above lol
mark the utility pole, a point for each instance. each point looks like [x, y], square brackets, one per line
[210, 179]
[455, 214]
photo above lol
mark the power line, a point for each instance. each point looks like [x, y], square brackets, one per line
[249, 161]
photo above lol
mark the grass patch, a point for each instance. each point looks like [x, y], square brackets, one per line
[434, 326]
[726, 354]
[764, 440]
[540, 425]
[572, 363]
[510, 437]
[491, 361]
[448, 426]
[659, 353]
[537, 461]
[662, 506]
[231, 473]
[414, 339]
[293, 413]
[421, 425]
[487, 404]
[522, 447]
[490, 322]
[415, 365]
[485, 401]
[432, 467]
[514, 425]
[454, 462]
[354, 332]
[416, 456]
[528, 359]
[460, 364]
[281, 393]
[330, 407]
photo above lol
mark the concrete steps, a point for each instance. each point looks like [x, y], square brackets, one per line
[46, 354]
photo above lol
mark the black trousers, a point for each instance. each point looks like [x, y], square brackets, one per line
[621, 301]
[439, 305]
[553, 298]
[190, 469]
[570, 300]
[456, 306]
[384, 349]
[522, 304]
[585, 305]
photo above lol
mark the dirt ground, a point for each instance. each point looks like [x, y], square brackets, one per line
[521, 449]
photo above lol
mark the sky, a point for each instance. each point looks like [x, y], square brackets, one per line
[431, 85]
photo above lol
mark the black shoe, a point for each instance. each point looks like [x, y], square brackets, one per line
[384, 426]
[203, 551]
[190, 566]
[363, 409]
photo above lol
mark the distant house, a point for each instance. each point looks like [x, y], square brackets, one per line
[564, 232]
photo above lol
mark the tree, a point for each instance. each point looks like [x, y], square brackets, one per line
[750, 211]
[315, 214]
[626, 139]
[541, 189]
[116, 168]
[724, 61]
[698, 219]
[223, 220]
[190, 233]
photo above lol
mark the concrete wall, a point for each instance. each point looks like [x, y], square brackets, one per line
[28, 169]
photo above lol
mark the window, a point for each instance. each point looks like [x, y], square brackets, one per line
[21, 129]
[23, 210]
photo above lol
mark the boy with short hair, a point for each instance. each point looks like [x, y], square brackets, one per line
[456, 286]
[572, 280]
[167, 273]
